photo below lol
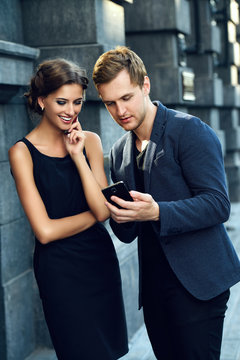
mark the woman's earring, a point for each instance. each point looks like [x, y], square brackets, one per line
[42, 108]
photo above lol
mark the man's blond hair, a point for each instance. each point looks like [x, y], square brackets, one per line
[113, 61]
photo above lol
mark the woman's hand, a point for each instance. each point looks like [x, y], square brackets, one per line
[75, 139]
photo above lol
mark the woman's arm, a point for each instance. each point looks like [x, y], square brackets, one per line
[45, 229]
[94, 178]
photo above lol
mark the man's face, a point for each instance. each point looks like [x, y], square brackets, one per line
[126, 102]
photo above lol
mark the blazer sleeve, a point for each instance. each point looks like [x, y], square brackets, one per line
[201, 160]
[126, 232]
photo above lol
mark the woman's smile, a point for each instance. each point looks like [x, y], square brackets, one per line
[66, 119]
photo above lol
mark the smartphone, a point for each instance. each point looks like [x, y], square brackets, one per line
[118, 189]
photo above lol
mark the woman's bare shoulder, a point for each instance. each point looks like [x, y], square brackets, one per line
[18, 149]
[91, 136]
[19, 156]
[93, 145]
[92, 141]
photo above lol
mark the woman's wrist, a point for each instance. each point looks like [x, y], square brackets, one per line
[78, 157]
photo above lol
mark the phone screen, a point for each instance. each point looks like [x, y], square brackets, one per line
[118, 189]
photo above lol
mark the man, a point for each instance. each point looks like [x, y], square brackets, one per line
[173, 164]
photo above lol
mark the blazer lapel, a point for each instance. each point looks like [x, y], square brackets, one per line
[155, 140]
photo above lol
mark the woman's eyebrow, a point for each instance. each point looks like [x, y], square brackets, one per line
[61, 98]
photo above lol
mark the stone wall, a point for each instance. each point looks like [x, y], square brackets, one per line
[191, 52]
[17, 333]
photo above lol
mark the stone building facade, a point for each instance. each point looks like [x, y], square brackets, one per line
[191, 51]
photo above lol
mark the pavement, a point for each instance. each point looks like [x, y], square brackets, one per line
[231, 330]
[139, 346]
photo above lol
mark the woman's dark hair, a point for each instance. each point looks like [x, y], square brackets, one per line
[50, 76]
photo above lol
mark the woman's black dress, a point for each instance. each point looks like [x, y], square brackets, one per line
[78, 277]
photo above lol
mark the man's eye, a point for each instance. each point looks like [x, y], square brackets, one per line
[127, 98]
[109, 103]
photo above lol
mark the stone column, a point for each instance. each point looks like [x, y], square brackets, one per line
[156, 31]
[227, 17]
[203, 49]
[203, 46]
[17, 335]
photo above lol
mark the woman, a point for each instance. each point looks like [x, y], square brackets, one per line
[58, 171]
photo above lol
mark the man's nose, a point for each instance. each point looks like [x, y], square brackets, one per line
[121, 109]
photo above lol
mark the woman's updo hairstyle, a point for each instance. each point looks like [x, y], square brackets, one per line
[50, 76]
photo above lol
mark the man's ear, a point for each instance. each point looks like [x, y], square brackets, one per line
[146, 85]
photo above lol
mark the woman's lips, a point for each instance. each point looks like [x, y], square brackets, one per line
[65, 119]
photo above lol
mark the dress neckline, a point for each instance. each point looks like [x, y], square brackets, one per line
[48, 156]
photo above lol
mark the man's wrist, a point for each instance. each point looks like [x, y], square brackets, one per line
[156, 213]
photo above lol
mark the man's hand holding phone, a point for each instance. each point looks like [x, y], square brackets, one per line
[133, 206]
[118, 190]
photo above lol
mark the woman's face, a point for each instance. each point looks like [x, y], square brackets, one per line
[62, 106]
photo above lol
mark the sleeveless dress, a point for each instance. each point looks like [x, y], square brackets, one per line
[78, 277]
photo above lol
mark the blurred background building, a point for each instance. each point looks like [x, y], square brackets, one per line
[191, 51]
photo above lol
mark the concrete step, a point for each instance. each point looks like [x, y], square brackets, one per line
[231, 330]
[139, 347]
[42, 354]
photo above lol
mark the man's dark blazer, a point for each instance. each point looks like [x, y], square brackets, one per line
[184, 173]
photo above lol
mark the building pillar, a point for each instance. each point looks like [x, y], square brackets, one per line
[17, 320]
[156, 31]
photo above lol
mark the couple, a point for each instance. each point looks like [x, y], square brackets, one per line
[172, 163]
